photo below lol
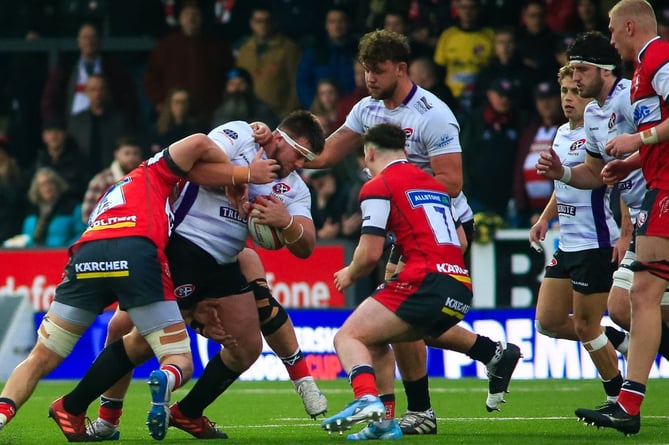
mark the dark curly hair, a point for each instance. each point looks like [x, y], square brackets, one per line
[386, 137]
[379, 46]
[594, 47]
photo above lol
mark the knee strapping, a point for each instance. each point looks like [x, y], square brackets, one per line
[540, 329]
[56, 338]
[169, 341]
[623, 277]
[271, 314]
[596, 343]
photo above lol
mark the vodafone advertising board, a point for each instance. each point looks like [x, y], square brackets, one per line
[296, 283]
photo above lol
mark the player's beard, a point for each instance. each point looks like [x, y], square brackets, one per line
[382, 94]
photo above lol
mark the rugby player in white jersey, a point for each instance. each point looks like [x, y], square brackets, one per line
[611, 113]
[210, 266]
[432, 143]
[573, 294]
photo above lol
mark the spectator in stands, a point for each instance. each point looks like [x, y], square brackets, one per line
[324, 105]
[65, 89]
[60, 153]
[228, 19]
[54, 218]
[421, 42]
[96, 128]
[501, 13]
[272, 60]
[188, 59]
[561, 49]
[299, 20]
[241, 103]
[589, 18]
[506, 64]
[464, 50]
[348, 100]
[536, 42]
[532, 191]
[328, 202]
[175, 120]
[12, 193]
[328, 57]
[127, 156]
[561, 15]
[489, 142]
[423, 72]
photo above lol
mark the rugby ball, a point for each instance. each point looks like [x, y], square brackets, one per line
[265, 236]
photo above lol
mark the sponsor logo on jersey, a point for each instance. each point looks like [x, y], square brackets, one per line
[455, 308]
[101, 269]
[114, 222]
[422, 105]
[230, 133]
[422, 197]
[576, 145]
[184, 291]
[640, 112]
[445, 140]
[612, 120]
[280, 188]
[564, 209]
[451, 269]
[230, 213]
[625, 185]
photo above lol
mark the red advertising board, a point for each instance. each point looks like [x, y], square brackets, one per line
[296, 283]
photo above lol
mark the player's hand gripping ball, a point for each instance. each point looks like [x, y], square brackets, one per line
[265, 236]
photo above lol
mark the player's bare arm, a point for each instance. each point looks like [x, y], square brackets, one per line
[365, 258]
[340, 143]
[213, 170]
[583, 176]
[629, 143]
[540, 228]
[447, 169]
[626, 233]
[618, 169]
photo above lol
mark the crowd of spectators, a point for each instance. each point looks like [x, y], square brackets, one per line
[82, 120]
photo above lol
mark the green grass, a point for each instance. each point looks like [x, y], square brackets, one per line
[538, 412]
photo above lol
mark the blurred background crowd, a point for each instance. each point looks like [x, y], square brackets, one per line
[89, 88]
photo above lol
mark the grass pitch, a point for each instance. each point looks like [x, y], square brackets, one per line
[537, 412]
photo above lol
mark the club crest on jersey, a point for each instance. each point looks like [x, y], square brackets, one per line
[281, 188]
[408, 132]
[664, 206]
[184, 291]
[576, 145]
[612, 121]
[641, 218]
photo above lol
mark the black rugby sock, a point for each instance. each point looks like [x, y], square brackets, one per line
[108, 368]
[215, 379]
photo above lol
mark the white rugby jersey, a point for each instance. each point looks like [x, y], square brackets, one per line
[206, 217]
[586, 220]
[603, 123]
[430, 127]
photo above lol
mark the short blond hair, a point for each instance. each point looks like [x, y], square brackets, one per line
[638, 10]
[565, 71]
